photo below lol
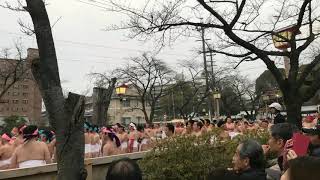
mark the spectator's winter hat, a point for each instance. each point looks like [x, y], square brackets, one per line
[277, 106]
[313, 130]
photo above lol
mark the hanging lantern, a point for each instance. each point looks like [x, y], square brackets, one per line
[121, 90]
[282, 37]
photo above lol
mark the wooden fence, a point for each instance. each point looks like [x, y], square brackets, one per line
[96, 168]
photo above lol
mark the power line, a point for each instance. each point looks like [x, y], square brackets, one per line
[91, 44]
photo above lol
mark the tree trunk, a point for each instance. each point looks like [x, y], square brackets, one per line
[65, 116]
[108, 98]
[293, 102]
[294, 112]
[101, 101]
[70, 140]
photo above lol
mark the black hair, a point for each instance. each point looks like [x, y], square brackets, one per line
[207, 121]
[252, 150]
[48, 135]
[170, 127]
[113, 137]
[282, 131]
[29, 132]
[220, 123]
[200, 124]
[140, 128]
[222, 174]
[304, 167]
[124, 169]
[202, 121]
[190, 122]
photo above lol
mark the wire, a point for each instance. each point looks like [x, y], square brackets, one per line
[92, 45]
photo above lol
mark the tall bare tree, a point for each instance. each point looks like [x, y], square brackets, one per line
[12, 70]
[246, 93]
[243, 30]
[150, 77]
[66, 116]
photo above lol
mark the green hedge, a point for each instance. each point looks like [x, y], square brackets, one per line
[190, 157]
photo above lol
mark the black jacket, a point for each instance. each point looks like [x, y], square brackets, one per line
[279, 119]
[314, 151]
[253, 174]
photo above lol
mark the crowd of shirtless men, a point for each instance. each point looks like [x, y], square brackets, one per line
[27, 146]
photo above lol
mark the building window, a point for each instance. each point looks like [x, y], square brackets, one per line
[16, 86]
[15, 94]
[125, 103]
[25, 101]
[126, 120]
[15, 109]
[25, 86]
[24, 94]
[4, 101]
[24, 109]
[139, 119]
[15, 101]
[8, 93]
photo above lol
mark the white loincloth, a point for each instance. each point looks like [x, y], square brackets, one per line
[124, 145]
[95, 148]
[87, 148]
[32, 163]
[5, 162]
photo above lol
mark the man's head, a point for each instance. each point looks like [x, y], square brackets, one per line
[124, 169]
[207, 122]
[313, 133]
[197, 126]
[228, 119]
[5, 138]
[264, 124]
[275, 108]
[249, 154]
[280, 133]
[169, 130]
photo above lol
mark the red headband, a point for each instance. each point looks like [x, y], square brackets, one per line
[22, 128]
[6, 137]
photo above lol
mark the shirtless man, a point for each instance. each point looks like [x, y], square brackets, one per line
[111, 143]
[179, 128]
[6, 151]
[95, 142]
[18, 137]
[87, 140]
[133, 138]
[47, 137]
[188, 128]
[124, 138]
[197, 126]
[31, 153]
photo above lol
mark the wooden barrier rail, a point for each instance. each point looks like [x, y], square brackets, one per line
[96, 168]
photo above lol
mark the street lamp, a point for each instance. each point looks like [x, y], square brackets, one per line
[281, 40]
[121, 90]
[217, 96]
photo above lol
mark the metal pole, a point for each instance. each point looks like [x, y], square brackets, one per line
[206, 71]
[173, 106]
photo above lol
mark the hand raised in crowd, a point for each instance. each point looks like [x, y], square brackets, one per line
[291, 155]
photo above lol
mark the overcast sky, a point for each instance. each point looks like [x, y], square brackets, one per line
[83, 46]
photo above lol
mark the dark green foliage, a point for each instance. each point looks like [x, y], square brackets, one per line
[189, 157]
[11, 122]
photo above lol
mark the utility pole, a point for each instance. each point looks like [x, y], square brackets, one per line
[209, 103]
